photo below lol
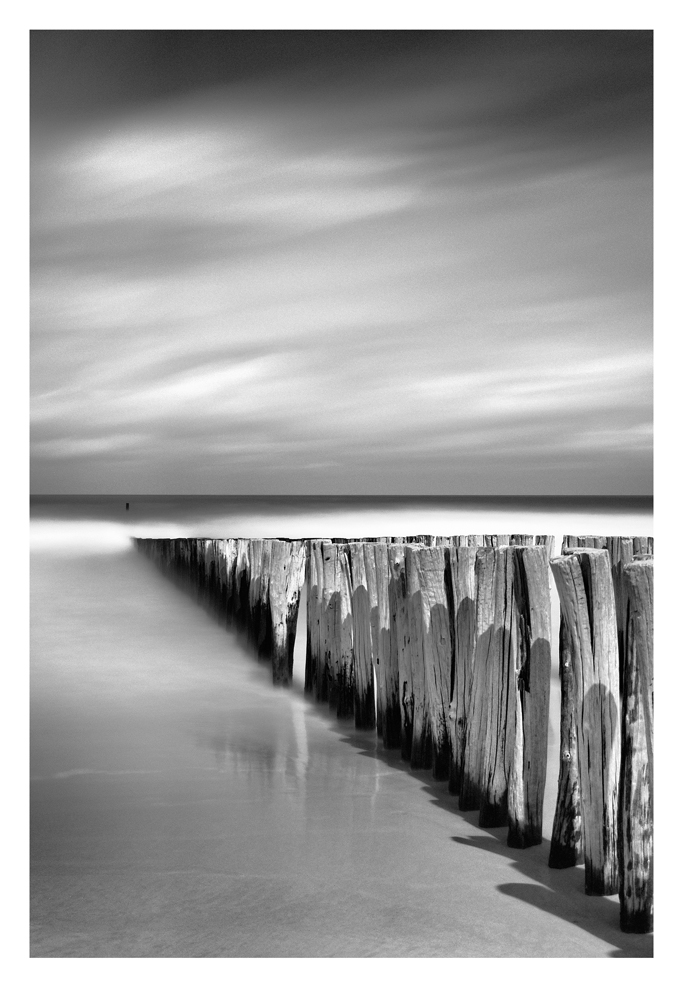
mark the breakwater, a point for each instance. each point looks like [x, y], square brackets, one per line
[442, 643]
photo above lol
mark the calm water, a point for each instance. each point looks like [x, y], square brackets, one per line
[180, 805]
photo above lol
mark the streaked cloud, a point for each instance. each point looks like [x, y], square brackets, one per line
[350, 288]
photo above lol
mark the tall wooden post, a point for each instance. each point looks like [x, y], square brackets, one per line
[476, 710]
[530, 691]
[566, 843]
[432, 568]
[400, 643]
[364, 685]
[464, 591]
[421, 749]
[584, 583]
[285, 581]
[636, 792]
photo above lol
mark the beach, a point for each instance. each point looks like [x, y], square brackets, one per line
[182, 805]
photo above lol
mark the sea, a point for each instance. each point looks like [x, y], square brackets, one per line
[182, 806]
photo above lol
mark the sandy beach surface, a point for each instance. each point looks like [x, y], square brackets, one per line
[180, 805]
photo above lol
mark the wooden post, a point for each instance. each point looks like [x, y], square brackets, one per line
[400, 643]
[364, 686]
[241, 601]
[636, 792]
[584, 583]
[378, 645]
[318, 674]
[421, 750]
[286, 578]
[432, 570]
[500, 714]
[476, 708]
[566, 843]
[264, 633]
[338, 628]
[391, 707]
[311, 597]
[621, 553]
[464, 591]
[530, 693]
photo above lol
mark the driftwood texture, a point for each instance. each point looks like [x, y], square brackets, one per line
[584, 584]
[531, 692]
[432, 568]
[286, 578]
[464, 592]
[500, 718]
[566, 844]
[476, 709]
[338, 628]
[399, 641]
[391, 706]
[364, 684]
[636, 805]
[421, 747]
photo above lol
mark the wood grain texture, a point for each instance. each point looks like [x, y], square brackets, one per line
[421, 747]
[500, 707]
[400, 643]
[464, 592]
[531, 691]
[364, 683]
[391, 708]
[636, 856]
[432, 568]
[285, 581]
[584, 584]
[566, 843]
[475, 722]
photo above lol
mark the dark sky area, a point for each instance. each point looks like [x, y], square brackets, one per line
[341, 262]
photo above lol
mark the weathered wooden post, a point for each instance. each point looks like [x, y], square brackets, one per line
[476, 709]
[286, 578]
[432, 571]
[620, 553]
[387, 663]
[400, 643]
[566, 843]
[241, 599]
[636, 791]
[530, 694]
[255, 548]
[338, 628]
[464, 592]
[584, 584]
[421, 749]
[376, 637]
[501, 659]
[318, 674]
[364, 684]
[263, 635]
[309, 683]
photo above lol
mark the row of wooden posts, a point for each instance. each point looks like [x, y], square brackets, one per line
[443, 644]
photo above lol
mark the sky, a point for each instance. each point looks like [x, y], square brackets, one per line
[341, 262]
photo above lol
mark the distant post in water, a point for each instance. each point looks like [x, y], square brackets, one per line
[636, 806]
[584, 584]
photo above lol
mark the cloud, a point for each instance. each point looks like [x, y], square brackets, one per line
[446, 269]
